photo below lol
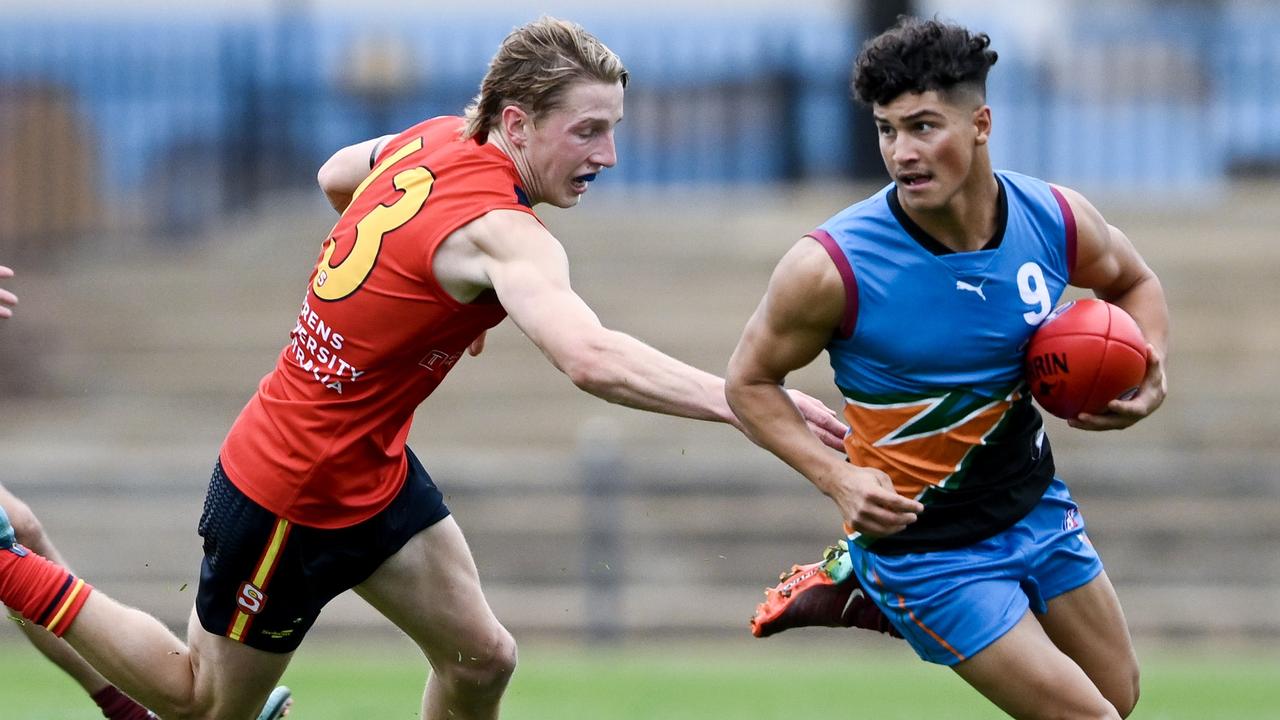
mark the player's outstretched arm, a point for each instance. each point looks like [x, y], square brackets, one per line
[343, 172]
[801, 309]
[528, 269]
[7, 299]
[1109, 265]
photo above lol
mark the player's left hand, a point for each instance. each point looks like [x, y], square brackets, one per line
[822, 420]
[7, 299]
[477, 346]
[1121, 414]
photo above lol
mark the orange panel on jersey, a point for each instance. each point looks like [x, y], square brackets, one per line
[915, 461]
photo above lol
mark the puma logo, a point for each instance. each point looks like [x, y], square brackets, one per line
[962, 285]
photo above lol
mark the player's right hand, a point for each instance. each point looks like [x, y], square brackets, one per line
[870, 505]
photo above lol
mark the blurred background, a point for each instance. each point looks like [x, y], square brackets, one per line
[157, 200]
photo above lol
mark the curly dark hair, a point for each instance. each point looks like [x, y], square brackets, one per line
[918, 55]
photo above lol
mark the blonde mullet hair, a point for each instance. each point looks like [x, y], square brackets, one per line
[533, 68]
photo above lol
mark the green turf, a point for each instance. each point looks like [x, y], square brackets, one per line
[732, 680]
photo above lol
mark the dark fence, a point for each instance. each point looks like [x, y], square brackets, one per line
[147, 128]
[115, 131]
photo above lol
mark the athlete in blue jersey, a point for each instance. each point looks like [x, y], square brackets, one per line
[925, 295]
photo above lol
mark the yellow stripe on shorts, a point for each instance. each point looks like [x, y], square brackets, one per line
[261, 573]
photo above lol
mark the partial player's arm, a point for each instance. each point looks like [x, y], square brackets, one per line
[343, 172]
[7, 299]
[795, 320]
[1109, 265]
[529, 271]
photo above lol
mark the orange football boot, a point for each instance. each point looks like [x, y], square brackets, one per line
[812, 596]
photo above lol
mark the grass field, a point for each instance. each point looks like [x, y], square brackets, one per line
[686, 681]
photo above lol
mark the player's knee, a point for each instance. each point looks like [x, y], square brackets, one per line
[488, 673]
[492, 673]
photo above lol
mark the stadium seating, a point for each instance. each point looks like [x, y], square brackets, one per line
[144, 361]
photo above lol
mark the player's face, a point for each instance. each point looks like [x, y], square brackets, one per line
[569, 145]
[929, 145]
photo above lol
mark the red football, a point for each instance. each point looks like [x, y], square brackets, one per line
[1084, 355]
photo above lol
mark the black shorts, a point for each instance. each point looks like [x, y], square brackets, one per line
[264, 580]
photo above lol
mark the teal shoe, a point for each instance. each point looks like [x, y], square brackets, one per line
[278, 704]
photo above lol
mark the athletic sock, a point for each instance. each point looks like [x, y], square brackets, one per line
[118, 706]
[42, 592]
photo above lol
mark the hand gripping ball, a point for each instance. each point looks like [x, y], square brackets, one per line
[1084, 355]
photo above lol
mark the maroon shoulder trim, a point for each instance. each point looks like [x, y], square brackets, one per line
[850, 318]
[1069, 218]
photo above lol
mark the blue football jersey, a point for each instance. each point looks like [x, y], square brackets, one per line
[929, 357]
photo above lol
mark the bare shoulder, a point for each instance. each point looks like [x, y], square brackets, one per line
[807, 283]
[1089, 222]
[1106, 260]
[473, 257]
[503, 233]
[808, 265]
[462, 262]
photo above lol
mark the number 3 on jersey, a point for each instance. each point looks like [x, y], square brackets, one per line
[335, 282]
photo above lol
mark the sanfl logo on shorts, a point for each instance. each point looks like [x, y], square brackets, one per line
[251, 599]
[1072, 520]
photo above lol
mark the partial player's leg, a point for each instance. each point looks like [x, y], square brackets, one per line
[1072, 654]
[212, 677]
[132, 649]
[431, 590]
[30, 533]
[822, 594]
[115, 705]
[1082, 615]
[1088, 625]
[1027, 676]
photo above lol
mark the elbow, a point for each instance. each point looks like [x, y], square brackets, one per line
[588, 368]
[736, 385]
[732, 392]
[331, 184]
[589, 374]
[328, 177]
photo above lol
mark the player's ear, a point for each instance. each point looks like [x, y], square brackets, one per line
[982, 123]
[516, 124]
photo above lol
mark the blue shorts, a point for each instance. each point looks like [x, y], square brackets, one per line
[950, 604]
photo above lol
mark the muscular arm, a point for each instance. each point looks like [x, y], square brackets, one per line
[7, 299]
[799, 312]
[528, 269]
[343, 172]
[1109, 265]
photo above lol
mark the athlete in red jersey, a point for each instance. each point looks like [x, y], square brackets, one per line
[315, 492]
[322, 441]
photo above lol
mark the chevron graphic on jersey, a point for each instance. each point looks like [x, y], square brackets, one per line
[938, 415]
[922, 442]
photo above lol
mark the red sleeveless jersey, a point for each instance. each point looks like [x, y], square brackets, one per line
[322, 442]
